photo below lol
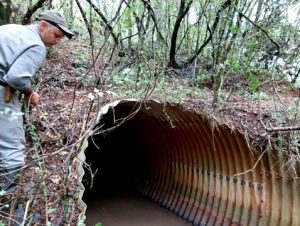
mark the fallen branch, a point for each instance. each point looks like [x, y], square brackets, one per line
[26, 212]
[256, 163]
[290, 128]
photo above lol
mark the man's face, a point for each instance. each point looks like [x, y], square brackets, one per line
[50, 34]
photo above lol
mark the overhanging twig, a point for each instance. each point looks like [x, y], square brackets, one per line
[289, 128]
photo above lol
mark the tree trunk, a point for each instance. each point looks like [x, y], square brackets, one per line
[5, 12]
[152, 15]
[258, 11]
[211, 31]
[108, 26]
[32, 10]
[87, 24]
[183, 10]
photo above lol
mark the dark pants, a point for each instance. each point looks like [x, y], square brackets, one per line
[9, 180]
[12, 138]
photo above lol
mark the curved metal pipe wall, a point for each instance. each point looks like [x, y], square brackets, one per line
[192, 166]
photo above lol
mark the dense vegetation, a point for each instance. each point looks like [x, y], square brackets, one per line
[204, 41]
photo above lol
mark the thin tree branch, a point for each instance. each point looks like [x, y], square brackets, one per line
[118, 12]
[289, 128]
[212, 31]
[30, 11]
[152, 14]
[109, 27]
[87, 24]
[264, 31]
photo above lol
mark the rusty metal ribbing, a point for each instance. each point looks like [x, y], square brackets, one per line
[192, 166]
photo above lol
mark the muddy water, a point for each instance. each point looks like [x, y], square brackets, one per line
[129, 210]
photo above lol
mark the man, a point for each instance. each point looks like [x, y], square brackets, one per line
[22, 53]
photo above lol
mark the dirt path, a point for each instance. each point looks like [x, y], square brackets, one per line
[129, 210]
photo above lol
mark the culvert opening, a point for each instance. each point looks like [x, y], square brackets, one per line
[187, 165]
[121, 158]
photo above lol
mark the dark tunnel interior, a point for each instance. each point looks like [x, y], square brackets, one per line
[202, 172]
[117, 157]
[120, 158]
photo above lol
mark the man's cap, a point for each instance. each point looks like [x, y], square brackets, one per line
[56, 19]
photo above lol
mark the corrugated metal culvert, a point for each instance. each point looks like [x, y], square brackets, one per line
[203, 172]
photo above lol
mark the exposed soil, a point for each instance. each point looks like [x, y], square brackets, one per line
[65, 113]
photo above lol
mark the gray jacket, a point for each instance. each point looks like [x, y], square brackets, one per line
[22, 53]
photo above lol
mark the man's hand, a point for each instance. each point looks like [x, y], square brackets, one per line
[33, 98]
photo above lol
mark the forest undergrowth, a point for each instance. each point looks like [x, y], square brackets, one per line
[76, 82]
